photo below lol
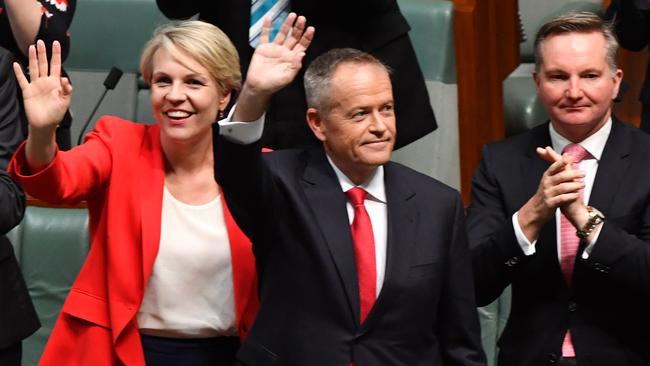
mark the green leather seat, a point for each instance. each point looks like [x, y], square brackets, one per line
[432, 36]
[107, 33]
[51, 245]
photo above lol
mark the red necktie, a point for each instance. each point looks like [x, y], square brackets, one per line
[569, 241]
[364, 251]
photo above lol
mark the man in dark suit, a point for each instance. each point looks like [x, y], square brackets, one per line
[341, 284]
[632, 25]
[373, 26]
[17, 315]
[570, 233]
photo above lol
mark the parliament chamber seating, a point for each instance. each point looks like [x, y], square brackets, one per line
[51, 243]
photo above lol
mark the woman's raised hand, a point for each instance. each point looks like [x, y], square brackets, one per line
[47, 95]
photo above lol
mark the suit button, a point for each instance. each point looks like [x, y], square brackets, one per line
[572, 306]
[512, 262]
[359, 335]
[601, 268]
[552, 358]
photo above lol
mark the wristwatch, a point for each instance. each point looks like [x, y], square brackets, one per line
[595, 217]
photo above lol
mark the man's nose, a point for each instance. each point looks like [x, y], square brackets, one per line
[378, 124]
[574, 89]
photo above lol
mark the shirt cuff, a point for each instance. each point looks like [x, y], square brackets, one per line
[242, 133]
[527, 247]
[590, 247]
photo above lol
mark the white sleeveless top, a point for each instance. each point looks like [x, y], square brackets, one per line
[190, 291]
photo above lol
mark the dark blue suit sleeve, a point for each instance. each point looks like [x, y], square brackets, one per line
[459, 329]
[491, 235]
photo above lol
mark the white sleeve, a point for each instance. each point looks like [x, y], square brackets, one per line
[242, 133]
[527, 247]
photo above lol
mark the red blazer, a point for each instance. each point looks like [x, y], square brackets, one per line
[119, 171]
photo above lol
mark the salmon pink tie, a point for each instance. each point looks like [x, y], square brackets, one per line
[364, 251]
[569, 241]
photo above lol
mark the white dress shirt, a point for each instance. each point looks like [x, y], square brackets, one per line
[594, 144]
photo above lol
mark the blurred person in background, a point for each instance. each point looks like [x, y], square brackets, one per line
[373, 26]
[22, 22]
[632, 26]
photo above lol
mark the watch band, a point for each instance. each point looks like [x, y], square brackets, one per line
[595, 218]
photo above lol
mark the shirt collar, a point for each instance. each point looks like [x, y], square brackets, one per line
[374, 185]
[594, 144]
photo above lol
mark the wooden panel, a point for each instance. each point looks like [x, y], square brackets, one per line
[633, 65]
[487, 50]
[32, 201]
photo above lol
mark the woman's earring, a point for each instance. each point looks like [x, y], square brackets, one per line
[220, 114]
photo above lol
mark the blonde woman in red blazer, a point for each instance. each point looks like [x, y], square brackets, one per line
[122, 170]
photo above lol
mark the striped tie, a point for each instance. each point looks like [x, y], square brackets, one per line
[260, 9]
[569, 242]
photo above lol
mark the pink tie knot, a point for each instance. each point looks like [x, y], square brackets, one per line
[356, 196]
[577, 152]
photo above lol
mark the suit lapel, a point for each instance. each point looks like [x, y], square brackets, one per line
[402, 220]
[328, 205]
[612, 165]
[150, 163]
[532, 166]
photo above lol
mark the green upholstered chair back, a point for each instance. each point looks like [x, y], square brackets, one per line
[432, 36]
[51, 245]
[107, 33]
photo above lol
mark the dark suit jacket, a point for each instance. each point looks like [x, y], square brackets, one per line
[607, 306]
[291, 205]
[18, 318]
[17, 315]
[374, 26]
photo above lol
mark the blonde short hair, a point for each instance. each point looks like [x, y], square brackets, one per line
[204, 42]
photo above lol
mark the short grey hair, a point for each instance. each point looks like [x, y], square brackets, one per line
[320, 71]
[577, 22]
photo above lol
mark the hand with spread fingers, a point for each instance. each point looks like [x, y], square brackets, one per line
[274, 65]
[47, 96]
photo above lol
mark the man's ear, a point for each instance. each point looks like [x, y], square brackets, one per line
[617, 78]
[315, 122]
